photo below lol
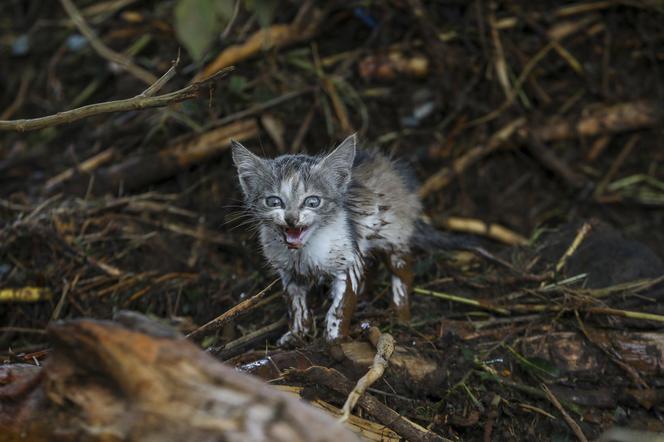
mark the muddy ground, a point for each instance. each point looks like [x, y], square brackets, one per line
[542, 118]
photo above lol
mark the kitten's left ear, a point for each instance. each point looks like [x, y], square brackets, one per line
[340, 161]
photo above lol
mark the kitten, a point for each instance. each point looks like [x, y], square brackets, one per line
[321, 217]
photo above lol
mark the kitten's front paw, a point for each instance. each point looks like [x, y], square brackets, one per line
[289, 339]
[336, 330]
[336, 339]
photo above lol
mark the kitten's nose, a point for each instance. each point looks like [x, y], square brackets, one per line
[291, 219]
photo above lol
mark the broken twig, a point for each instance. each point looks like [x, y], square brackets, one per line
[571, 422]
[384, 343]
[25, 294]
[233, 313]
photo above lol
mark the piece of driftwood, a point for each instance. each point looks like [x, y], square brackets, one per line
[142, 381]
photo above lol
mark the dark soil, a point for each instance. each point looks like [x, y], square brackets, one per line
[175, 250]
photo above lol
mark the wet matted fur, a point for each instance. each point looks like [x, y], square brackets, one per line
[320, 217]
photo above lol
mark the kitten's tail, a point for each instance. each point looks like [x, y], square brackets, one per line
[427, 237]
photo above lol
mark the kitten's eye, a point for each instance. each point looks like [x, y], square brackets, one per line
[312, 202]
[274, 202]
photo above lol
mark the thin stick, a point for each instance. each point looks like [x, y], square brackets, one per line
[487, 373]
[234, 312]
[556, 165]
[620, 159]
[444, 176]
[462, 300]
[138, 102]
[103, 50]
[157, 85]
[539, 308]
[25, 294]
[257, 108]
[571, 422]
[20, 96]
[626, 314]
[11, 329]
[86, 166]
[631, 286]
[236, 347]
[580, 236]
[526, 308]
[500, 62]
[479, 227]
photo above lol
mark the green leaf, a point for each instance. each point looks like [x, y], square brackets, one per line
[195, 25]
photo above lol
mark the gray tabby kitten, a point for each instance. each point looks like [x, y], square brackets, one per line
[321, 217]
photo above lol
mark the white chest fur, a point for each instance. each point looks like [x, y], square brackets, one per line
[328, 251]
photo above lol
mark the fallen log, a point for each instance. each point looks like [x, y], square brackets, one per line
[142, 381]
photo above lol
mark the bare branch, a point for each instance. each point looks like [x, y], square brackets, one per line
[136, 103]
[157, 85]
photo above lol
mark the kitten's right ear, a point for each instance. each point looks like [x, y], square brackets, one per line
[249, 166]
[339, 162]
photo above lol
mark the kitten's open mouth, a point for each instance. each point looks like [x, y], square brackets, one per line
[294, 237]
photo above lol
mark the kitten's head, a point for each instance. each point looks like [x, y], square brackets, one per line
[295, 194]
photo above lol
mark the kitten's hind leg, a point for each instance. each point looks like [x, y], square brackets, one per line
[400, 267]
[367, 284]
[344, 299]
[299, 316]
